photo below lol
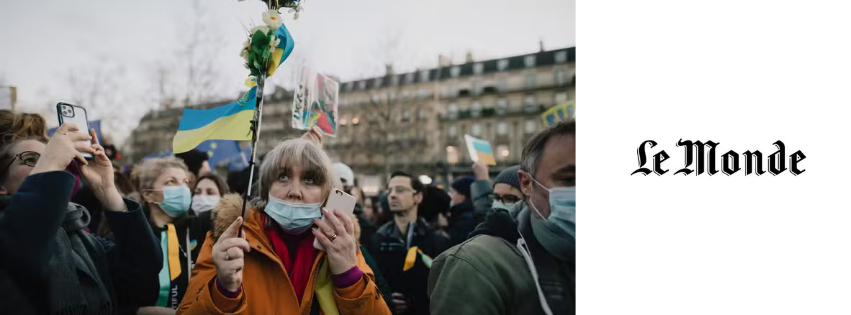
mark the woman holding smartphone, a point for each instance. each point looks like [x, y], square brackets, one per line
[271, 266]
[60, 267]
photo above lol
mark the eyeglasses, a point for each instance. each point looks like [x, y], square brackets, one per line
[28, 158]
[506, 198]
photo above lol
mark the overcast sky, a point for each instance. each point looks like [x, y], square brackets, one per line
[43, 41]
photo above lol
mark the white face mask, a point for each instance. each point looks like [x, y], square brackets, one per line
[202, 203]
[501, 205]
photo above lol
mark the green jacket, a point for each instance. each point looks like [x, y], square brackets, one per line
[494, 275]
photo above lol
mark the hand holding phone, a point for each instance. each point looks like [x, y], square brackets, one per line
[341, 202]
[78, 116]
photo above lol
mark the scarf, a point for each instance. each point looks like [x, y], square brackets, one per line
[296, 253]
[78, 255]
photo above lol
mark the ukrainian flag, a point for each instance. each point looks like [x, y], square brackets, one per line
[228, 122]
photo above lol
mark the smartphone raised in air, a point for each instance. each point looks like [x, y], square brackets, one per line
[339, 201]
[77, 115]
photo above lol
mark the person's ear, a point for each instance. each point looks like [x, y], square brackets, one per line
[525, 183]
[418, 197]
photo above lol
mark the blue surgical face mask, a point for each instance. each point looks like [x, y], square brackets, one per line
[293, 218]
[562, 209]
[176, 200]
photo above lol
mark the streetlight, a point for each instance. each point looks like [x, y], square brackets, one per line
[425, 179]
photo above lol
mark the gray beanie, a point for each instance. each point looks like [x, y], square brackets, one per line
[509, 176]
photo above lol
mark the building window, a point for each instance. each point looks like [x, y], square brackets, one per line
[347, 86]
[529, 103]
[422, 94]
[451, 155]
[561, 97]
[502, 64]
[394, 80]
[453, 111]
[362, 85]
[409, 78]
[503, 152]
[391, 97]
[561, 77]
[502, 84]
[377, 83]
[424, 76]
[476, 130]
[405, 95]
[478, 68]
[455, 71]
[476, 109]
[406, 114]
[475, 88]
[375, 99]
[501, 106]
[561, 57]
[529, 61]
[421, 114]
[452, 131]
[502, 128]
[530, 81]
[531, 126]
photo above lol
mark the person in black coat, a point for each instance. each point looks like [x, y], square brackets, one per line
[57, 266]
[461, 220]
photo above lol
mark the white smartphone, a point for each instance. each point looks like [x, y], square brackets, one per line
[339, 201]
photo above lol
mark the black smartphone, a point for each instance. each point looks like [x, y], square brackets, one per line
[77, 115]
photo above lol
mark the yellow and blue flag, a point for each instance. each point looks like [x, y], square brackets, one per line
[228, 122]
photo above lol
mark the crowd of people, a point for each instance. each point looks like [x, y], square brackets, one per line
[170, 236]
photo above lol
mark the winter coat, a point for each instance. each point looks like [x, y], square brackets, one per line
[266, 287]
[491, 263]
[191, 235]
[61, 268]
[390, 248]
[481, 191]
[461, 222]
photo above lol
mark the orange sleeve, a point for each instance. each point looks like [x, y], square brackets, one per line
[362, 297]
[202, 296]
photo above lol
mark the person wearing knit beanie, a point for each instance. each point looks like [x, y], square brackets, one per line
[503, 192]
[460, 189]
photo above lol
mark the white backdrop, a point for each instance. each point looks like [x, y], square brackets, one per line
[741, 73]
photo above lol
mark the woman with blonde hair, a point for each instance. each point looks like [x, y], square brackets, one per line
[271, 267]
[166, 197]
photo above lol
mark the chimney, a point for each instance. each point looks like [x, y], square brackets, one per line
[541, 42]
[388, 69]
[469, 58]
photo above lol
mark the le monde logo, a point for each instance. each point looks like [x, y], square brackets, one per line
[730, 161]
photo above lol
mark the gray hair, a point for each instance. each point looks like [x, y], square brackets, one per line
[534, 148]
[298, 151]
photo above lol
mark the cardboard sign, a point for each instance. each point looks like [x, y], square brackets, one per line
[480, 150]
[558, 113]
[316, 102]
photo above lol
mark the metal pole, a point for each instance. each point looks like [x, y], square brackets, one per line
[255, 135]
